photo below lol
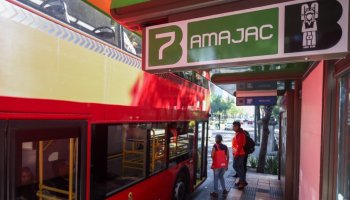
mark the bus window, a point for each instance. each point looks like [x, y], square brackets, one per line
[46, 160]
[180, 142]
[80, 15]
[47, 163]
[55, 8]
[201, 152]
[118, 157]
[194, 77]
[132, 42]
[157, 148]
[124, 154]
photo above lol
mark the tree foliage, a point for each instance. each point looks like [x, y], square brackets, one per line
[219, 105]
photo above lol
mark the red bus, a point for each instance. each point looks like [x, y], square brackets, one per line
[79, 119]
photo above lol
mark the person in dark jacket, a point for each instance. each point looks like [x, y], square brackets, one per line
[238, 153]
[28, 187]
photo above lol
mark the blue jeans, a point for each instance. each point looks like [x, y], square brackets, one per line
[219, 175]
[238, 165]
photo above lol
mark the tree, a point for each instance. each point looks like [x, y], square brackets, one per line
[234, 111]
[276, 111]
[265, 136]
[218, 105]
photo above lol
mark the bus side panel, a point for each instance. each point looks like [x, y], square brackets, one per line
[39, 63]
[158, 187]
[22, 108]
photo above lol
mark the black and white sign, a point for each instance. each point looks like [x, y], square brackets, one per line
[317, 29]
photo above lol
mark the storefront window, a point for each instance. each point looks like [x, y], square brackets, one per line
[343, 179]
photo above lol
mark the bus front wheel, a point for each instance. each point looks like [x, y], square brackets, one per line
[180, 187]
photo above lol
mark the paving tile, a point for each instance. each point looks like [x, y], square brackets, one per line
[234, 194]
[262, 180]
[248, 193]
[263, 188]
[262, 198]
[263, 184]
[262, 194]
[260, 187]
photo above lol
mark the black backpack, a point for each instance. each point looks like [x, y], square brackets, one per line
[249, 146]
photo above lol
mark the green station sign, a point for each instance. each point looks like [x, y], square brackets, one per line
[257, 36]
[277, 33]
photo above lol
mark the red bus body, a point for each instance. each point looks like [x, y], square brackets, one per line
[57, 88]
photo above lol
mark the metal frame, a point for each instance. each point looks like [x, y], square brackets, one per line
[342, 66]
[329, 172]
[152, 142]
[202, 147]
[255, 76]
[42, 187]
[296, 140]
[195, 157]
[140, 162]
[291, 175]
[204, 154]
[206, 151]
[328, 139]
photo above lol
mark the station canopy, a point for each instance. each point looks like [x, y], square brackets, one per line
[282, 49]
[136, 14]
[229, 78]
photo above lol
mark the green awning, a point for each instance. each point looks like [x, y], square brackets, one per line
[124, 3]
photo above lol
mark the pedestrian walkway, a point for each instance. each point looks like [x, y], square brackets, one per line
[260, 187]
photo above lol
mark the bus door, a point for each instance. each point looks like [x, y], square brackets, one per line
[2, 159]
[46, 159]
[201, 152]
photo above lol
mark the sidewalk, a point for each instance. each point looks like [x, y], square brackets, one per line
[260, 187]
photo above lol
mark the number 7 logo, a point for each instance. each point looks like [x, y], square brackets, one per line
[164, 45]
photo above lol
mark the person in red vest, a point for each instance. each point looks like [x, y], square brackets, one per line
[220, 158]
[238, 154]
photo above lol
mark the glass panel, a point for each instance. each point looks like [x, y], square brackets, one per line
[130, 167]
[179, 139]
[343, 179]
[194, 78]
[118, 157]
[199, 151]
[48, 169]
[80, 15]
[157, 148]
[132, 42]
[119, 152]
[205, 149]
[191, 134]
